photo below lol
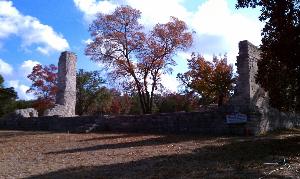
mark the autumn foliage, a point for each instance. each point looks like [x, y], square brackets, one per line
[213, 81]
[44, 80]
[119, 41]
[175, 102]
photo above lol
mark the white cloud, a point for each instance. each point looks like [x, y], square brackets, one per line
[169, 82]
[30, 30]
[20, 84]
[91, 7]
[13, 83]
[158, 11]
[5, 68]
[184, 55]
[87, 41]
[21, 90]
[220, 30]
[153, 11]
[26, 67]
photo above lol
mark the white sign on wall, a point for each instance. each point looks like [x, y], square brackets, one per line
[237, 118]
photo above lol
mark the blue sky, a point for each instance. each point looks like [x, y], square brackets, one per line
[37, 31]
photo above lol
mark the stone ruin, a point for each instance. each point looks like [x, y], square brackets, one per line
[66, 95]
[248, 95]
[28, 112]
[249, 100]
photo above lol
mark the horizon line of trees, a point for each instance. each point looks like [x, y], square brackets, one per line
[93, 97]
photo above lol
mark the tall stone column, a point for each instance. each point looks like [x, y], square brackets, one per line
[248, 94]
[66, 95]
[251, 99]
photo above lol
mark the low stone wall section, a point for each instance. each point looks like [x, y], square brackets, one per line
[272, 119]
[28, 112]
[211, 123]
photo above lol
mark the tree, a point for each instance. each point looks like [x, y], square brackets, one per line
[135, 105]
[44, 86]
[212, 81]
[120, 104]
[110, 101]
[1, 81]
[119, 41]
[101, 103]
[175, 102]
[88, 89]
[7, 97]
[94, 98]
[279, 67]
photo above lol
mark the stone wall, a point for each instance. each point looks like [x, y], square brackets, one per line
[66, 95]
[210, 123]
[271, 119]
[207, 123]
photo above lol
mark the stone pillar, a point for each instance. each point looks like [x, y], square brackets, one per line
[67, 81]
[66, 96]
[252, 100]
[247, 92]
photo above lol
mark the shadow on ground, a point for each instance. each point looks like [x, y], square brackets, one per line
[142, 143]
[236, 159]
[112, 137]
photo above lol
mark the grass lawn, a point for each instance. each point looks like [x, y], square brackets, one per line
[117, 155]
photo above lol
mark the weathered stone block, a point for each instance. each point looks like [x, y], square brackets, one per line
[28, 112]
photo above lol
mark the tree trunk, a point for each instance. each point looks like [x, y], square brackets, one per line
[220, 99]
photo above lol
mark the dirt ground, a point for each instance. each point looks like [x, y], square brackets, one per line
[114, 155]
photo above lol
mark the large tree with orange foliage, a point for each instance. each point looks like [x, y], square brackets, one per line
[119, 41]
[213, 81]
[44, 80]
